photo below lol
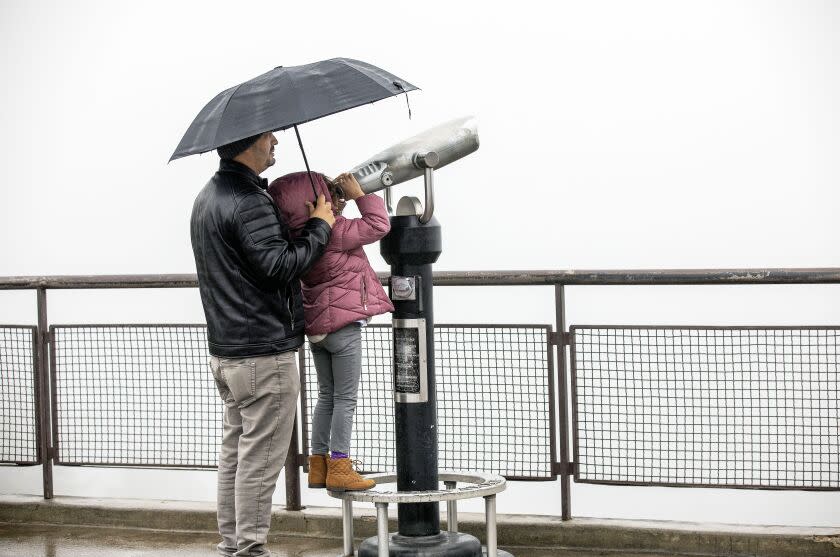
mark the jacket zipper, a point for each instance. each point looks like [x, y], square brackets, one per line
[364, 294]
[290, 305]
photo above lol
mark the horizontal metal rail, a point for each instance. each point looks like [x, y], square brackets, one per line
[476, 278]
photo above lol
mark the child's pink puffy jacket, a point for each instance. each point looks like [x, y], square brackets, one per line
[342, 286]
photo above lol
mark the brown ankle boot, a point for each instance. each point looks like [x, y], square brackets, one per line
[317, 471]
[342, 477]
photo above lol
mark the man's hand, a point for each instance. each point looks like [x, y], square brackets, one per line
[349, 185]
[322, 210]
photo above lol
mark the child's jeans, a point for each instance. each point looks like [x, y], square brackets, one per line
[338, 362]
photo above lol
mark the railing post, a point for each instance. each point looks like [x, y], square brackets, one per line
[43, 387]
[304, 411]
[293, 472]
[562, 382]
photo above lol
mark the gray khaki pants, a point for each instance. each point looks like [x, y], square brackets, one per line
[260, 396]
[338, 362]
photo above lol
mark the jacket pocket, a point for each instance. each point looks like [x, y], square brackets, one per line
[241, 379]
[364, 293]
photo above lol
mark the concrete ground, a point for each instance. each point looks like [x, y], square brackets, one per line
[67, 526]
[46, 540]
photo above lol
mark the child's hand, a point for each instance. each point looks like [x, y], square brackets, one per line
[351, 187]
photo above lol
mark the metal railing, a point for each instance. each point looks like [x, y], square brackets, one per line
[746, 407]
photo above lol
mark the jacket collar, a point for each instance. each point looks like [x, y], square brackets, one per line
[236, 167]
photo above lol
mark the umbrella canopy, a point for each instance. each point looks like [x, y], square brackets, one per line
[285, 97]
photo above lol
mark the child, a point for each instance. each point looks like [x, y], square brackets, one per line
[340, 294]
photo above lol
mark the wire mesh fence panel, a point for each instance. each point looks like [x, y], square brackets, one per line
[707, 406]
[18, 433]
[493, 400]
[135, 395]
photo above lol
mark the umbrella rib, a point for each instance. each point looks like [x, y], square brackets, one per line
[216, 135]
[363, 71]
[359, 67]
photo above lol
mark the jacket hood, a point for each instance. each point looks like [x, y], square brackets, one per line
[292, 191]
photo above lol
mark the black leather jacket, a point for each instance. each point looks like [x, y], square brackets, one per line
[248, 266]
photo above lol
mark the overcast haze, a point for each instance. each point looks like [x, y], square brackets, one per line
[613, 135]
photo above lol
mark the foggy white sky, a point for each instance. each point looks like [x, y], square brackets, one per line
[613, 135]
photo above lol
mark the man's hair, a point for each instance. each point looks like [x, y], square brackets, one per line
[230, 150]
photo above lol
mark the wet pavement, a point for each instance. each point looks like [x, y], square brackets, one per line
[85, 541]
[33, 540]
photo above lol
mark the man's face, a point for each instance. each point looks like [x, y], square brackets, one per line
[264, 149]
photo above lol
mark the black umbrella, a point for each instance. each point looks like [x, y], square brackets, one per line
[285, 97]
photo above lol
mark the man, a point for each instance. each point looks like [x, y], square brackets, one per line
[248, 270]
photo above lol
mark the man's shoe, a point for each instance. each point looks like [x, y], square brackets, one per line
[317, 471]
[342, 477]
